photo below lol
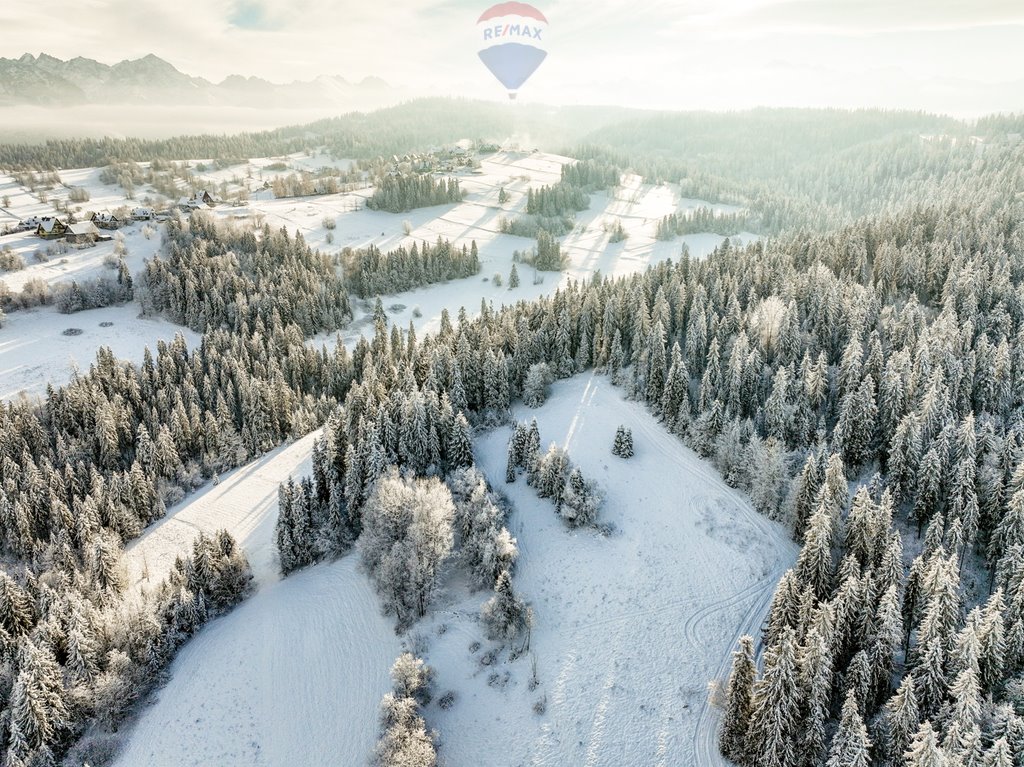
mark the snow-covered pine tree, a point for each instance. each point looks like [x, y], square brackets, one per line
[504, 614]
[460, 444]
[732, 735]
[850, 745]
[623, 444]
[581, 500]
[774, 725]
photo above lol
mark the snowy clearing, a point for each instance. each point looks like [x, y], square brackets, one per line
[631, 627]
[303, 656]
[293, 675]
[35, 352]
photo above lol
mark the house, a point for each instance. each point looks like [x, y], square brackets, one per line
[196, 201]
[108, 220]
[143, 214]
[51, 228]
[83, 232]
[29, 224]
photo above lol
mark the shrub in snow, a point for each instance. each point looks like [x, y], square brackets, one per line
[623, 445]
[404, 738]
[10, 261]
[497, 280]
[407, 535]
[535, 387]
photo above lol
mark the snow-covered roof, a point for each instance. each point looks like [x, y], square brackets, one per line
[47, 224]
[83, 227]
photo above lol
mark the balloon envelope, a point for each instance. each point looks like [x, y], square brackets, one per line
[512, 37]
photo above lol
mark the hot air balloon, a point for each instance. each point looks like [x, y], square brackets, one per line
[513, 36]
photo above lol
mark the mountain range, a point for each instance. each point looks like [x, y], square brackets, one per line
[45, 80]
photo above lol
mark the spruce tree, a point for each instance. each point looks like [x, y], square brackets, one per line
[623, 445]
[850, 745]
[732, 736]
[773, 732]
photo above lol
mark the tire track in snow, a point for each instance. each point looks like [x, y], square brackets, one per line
[705, 738]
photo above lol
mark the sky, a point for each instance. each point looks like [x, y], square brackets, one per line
[962, 57]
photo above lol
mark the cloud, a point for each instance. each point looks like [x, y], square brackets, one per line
[250, 14]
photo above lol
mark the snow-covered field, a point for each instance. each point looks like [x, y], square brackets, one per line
[631, 627]
[34, 350]
[292, 676]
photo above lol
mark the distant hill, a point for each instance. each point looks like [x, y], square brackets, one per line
[44, 80]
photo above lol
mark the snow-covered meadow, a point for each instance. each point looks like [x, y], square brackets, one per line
[630, 626]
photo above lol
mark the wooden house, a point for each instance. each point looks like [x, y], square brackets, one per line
[82, 232]
[108, 220]
[51, 228]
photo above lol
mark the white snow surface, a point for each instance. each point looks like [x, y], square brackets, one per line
[34, 350]
[292, 676]
[630, 627]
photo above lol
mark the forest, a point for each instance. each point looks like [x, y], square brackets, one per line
[368, 272]
[861, 377]
[398, 194]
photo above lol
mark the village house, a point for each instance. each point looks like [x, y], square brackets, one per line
[51, 228]
[197, 201]
[143, 214]
[82, 233]
[108, 220]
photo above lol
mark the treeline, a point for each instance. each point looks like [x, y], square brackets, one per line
[397, 194]
[705, 219]
[557, 200]
[326, 181]
[369, 272]
[212, 275]
[418, 124]
[591, 174]
[71, 297]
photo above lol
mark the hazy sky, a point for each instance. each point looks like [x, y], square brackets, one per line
[958, 56]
